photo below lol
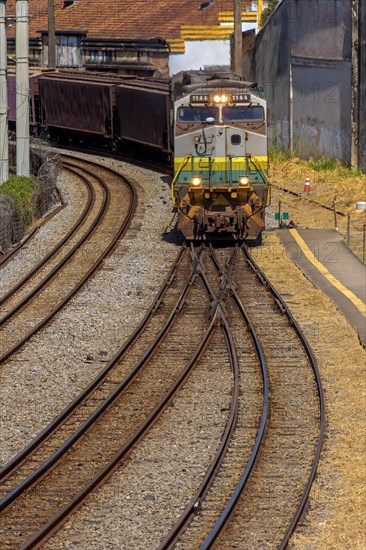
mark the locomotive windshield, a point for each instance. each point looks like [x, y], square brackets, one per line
[249, 113]
[197, 114]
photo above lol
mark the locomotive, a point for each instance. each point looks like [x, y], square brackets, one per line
[213, 127]
[220, 184]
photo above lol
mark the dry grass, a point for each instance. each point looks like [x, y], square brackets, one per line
[336, 516]
[328, 179]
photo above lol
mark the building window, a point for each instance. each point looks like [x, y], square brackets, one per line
[68, 53]
[101, 57]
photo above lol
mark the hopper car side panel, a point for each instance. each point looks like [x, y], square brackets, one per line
[79, 106]
[144, 116]
[33, 98]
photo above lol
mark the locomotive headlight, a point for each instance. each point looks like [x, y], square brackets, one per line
[244, 180]
[220, 98]
[196, 182]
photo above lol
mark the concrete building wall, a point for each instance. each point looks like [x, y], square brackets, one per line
[320, 29]
[302, 58]
[322, 111]
[268, 63]
[321, 67]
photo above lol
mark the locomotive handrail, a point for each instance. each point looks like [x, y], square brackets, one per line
[265, 179]
[182, 165]
[254, 161]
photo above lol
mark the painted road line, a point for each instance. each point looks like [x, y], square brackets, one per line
[359, 304]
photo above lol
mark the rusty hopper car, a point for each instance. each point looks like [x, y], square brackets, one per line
[143, 109]
[71, 107]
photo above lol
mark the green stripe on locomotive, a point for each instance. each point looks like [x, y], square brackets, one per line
[218, 171]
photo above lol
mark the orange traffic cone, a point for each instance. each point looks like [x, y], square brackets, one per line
[307, 186]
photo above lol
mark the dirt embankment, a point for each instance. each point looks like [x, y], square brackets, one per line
[330, 184]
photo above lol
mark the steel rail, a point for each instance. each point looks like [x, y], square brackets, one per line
[301, 196]
[6, 259]
[283, 307]
[123, 228]
[59, 420]
[194, 504]
[229, 509]
[60, 517]
[13, 252]
[153, 165]
[74, 249]
[88, 206]
[57, 455]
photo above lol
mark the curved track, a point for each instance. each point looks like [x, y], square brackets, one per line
[242, 342]
[97, 445]
[32, 233]
[264, 504]
[270, 444]
[31, 304]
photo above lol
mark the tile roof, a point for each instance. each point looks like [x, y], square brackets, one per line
[174, 20]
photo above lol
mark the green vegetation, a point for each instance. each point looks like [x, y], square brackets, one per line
[266, 13]
[277, 155]
[24, 191]
[340, 168]
[323, 164]
[328, 177]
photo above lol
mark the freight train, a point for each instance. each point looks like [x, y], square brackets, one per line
[213, 127]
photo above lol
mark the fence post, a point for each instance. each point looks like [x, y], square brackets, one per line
[335, 213]
[279, 214]
[348, 228]
[364, 243]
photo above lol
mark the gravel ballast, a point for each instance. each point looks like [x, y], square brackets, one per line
[335, 518]
[55, 365]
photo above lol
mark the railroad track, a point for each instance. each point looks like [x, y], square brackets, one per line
[38, 296]
[201, 300]
[138, 158]
[278, 432]
[306, 198]
[122, 404]
[12, 253]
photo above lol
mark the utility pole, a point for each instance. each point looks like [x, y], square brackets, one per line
[259, 12]
[22, 84]
[4, 143]
[356, 39]
[238, 39]
[51, 34]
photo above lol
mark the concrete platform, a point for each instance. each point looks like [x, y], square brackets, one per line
[331, 266]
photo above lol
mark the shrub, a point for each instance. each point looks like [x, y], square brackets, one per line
[24, 191]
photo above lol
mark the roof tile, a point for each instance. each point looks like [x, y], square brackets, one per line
[132, 19]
